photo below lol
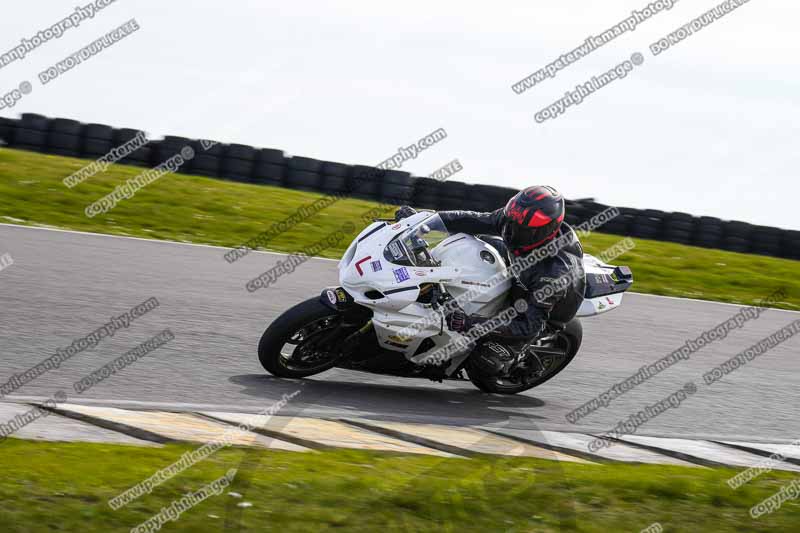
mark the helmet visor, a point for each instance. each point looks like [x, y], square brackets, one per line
[521, 239]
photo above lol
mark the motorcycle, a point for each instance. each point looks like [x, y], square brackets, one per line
[398, 281]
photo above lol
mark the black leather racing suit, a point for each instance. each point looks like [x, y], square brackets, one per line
[567, 263]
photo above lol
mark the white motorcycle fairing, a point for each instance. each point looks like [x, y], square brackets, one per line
[388, 266]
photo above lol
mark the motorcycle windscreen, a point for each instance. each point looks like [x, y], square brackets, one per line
[412, 247]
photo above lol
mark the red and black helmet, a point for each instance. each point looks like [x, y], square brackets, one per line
[532, 217]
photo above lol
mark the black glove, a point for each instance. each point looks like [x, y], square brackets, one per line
[404, 212]
[458, 321]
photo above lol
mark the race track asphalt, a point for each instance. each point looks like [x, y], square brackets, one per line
[63, 285]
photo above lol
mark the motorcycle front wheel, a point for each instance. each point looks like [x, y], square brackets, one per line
[549, 360]
[303, 341]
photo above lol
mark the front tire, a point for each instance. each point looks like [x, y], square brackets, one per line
[314, 329]
[569, 341]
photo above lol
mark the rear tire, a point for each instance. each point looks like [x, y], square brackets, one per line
[283, 329]
[570, 339]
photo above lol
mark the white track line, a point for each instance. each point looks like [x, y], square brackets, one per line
[703, 301]
[180, 406]
[317, 412]
[161, 241]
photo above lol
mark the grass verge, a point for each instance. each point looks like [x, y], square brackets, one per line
[202, 210]
[65, 487]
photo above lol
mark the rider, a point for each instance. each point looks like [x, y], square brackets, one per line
[532, 218]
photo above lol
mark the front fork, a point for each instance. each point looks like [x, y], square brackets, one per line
[352, 341]
[351, 314]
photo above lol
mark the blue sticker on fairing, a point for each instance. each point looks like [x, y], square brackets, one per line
[376, 266]
[401, 274]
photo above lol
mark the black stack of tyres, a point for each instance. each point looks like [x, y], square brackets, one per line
[168, 148]
[679, 227]
[591, 209]
[452, 195]
[270, 167]
[365, 182]
[397, 187]
[141, 157]
[487, 198]
[620, 224]
[497, 198]
[568, 206]
[238, 164]
[65, 137]
[334, 179]
[503, 195]
[736, 236]
[426, 193]
[627, 217]
[790, 244]
[576, 214]
[648, 224]
[473, 201]
[594, 207]
[207, 157]
[708, 232]
[766, 240]
[31, 132]
[304, 173]
[7, 127]
[98, 140]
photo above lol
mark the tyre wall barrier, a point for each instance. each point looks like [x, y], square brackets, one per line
[268, 166]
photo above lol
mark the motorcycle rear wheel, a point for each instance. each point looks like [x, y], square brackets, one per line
[569, 341]
[314, 330]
